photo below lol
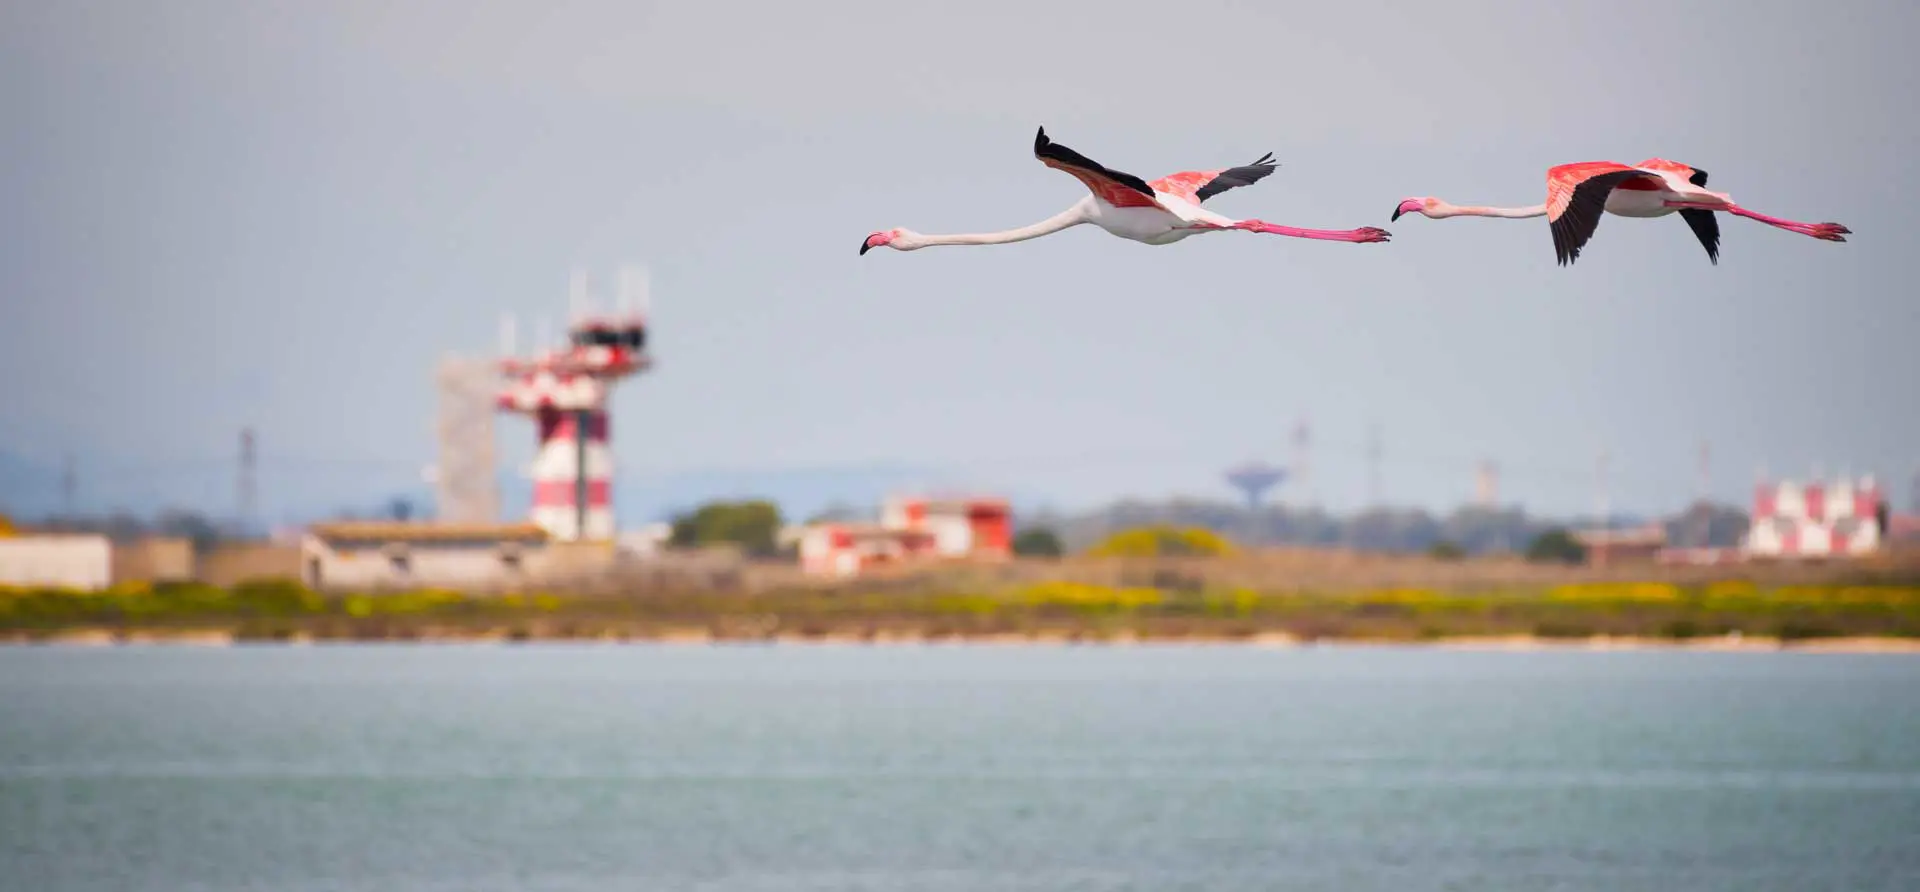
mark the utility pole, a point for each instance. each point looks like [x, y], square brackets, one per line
[69, 487]
[244, 487]
[1706, 470]
[1703, 531]
[1299, 468]
[1373, 465]
[1604, 503]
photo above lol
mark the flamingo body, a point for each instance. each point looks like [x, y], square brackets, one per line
[1579, 194]
[1158, 213]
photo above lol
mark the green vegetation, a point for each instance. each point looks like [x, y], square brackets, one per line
[1038, 542]
[278, 610]
[1444, 550]
[753, 525]
[1556, 546]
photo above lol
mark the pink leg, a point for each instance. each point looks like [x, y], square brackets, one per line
[1832, 232]
[1363, 234]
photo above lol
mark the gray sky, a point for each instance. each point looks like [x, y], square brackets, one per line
[220, 213]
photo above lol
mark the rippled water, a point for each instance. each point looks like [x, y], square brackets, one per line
[479, 768]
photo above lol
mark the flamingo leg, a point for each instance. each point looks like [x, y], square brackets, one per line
[1361, 235]
[1831, 232]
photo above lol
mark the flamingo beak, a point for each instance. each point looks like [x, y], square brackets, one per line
[1396, 214]
[866, 244]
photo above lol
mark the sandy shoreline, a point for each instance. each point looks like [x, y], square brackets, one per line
[1509, 643]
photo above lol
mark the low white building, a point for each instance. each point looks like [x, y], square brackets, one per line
[401, 555]
[83, 562]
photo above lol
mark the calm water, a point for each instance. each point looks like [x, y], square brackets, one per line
[408, 769]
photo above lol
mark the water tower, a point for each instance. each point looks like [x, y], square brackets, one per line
[565, 392]
[1253, 480]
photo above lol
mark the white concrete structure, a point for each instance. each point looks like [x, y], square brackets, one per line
[82, 562]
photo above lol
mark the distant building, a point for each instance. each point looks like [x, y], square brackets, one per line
[910, 529]
[1815, 520]
[388, 554]
[1636, 545]
[846, 549]
[969, 527]
[646, 542]
[83, 562]
[155, 559]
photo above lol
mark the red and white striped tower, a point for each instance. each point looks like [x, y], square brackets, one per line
[565, 392]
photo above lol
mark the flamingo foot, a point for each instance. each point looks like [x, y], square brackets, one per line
[1372, 234]
[1827, 232]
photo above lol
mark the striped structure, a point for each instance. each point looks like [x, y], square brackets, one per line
[1794, 519]
[565, 392]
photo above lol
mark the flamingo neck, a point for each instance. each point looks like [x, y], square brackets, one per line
[1451, 210]
[1070, 217]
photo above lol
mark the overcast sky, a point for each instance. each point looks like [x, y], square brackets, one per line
[280, 214]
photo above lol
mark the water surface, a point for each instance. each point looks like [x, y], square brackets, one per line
[745, 768]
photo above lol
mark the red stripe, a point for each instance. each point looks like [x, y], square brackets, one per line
[549, 493]
[557, 425]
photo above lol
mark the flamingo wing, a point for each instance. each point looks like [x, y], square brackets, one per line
[1199, 185]
[1704, 223]
[1687, 172]
[1122, 190]
[1577, 196]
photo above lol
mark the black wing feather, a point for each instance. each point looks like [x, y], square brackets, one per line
[1046, 148]
[1234, 177]
[1706, 228]
[1582, 215]
[1699, 178]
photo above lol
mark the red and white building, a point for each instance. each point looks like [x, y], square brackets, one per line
[1792, 519]
[911, 529]
[565, 393]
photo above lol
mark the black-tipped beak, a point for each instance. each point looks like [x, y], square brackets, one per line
[1396, 214]
[864, 247]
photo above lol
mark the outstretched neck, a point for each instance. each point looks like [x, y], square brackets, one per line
[1452, 210]
[1070, 217]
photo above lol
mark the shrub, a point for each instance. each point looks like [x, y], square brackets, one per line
[1446, 551]
[1037, 542]
[1163, 541]
[1556, 546]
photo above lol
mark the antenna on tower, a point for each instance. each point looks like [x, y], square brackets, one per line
[507, 333]
[634, 296]
[577, 296]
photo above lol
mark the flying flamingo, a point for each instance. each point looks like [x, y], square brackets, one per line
[1578, 193]
[1159, 213]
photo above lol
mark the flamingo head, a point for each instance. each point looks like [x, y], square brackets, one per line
[887, 238]
[1421, 206]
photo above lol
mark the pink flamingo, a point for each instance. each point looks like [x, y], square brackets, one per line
[1158, 213]
[1577, 194]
